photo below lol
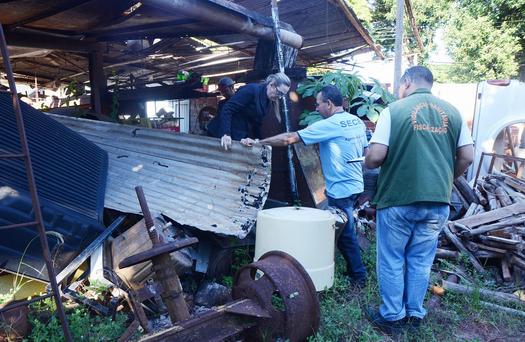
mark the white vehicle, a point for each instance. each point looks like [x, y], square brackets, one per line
[495, 113]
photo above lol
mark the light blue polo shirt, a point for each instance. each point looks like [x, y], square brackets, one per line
[341, 138]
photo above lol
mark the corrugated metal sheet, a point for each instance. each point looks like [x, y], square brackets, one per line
[185, 177]
[70, 174]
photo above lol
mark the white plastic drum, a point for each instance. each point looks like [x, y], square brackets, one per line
[305, 233]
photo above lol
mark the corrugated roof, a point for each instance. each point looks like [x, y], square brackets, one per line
[185, 177]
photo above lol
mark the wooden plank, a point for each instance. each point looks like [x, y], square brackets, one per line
[505, 271]
[459, 245]
[131, 242]
[495, 295]
[494, 215]
[136, 240]
[495, 226]
[514, 183]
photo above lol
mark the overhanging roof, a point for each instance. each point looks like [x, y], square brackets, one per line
[124, 32]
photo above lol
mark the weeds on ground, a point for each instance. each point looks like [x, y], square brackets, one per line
[458, 318]
[45, 326]
[241, 256]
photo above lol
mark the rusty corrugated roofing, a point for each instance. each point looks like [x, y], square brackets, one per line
[185, 177]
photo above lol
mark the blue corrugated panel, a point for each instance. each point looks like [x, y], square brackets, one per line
[70, 173]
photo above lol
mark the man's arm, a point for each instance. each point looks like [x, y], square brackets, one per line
[376, 155]
[283, 139]
[464, 157]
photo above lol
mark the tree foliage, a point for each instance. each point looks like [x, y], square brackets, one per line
[362, 10]
[502, 13]
[485, 38]
[479, 50]
[429, 15]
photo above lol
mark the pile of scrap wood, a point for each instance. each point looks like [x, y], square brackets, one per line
[492, 229]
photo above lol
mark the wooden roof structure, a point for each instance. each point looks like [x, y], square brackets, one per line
[150, 41]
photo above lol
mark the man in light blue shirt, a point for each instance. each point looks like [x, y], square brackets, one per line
[341, 138]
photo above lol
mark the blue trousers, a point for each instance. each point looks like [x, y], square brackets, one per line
[407, 238]
[347, 242]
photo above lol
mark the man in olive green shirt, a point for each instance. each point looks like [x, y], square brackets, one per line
[421, 144]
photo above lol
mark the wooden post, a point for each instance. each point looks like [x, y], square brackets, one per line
[97, 81]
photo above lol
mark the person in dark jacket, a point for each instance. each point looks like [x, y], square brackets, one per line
[242, 115]
[227, 90]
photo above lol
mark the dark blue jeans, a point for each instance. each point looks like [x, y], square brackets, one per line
[347, 242]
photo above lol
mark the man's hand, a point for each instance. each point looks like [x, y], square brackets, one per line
[226, 142]
[249, 142]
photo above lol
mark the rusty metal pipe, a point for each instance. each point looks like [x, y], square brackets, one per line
[167, 276]
[211, 13]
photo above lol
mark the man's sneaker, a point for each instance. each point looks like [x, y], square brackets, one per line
[392, 328]
[358, 284]
[413, 323]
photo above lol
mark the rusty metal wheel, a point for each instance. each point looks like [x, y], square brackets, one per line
[281, 286]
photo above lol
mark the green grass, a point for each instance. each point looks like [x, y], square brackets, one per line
[458, 318]
[45, 326]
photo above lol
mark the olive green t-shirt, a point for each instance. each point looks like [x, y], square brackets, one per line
[419, 166]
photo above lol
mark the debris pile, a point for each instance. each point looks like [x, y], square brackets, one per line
[492, 229]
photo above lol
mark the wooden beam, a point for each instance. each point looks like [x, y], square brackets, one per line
[48, 12]
[161, 93]
[220, 13]
[141, 28]
[349, 13]
[44, 65]
[42, 41]
[413, 25]
[494, 215]
[164, 34]
[97, 81]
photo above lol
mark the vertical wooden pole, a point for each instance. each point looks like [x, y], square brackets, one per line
[97, 81]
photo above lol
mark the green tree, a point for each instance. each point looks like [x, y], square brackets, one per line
[362, 10]
[430, 15]
[486, 38]
[479, 50]
[510, 13]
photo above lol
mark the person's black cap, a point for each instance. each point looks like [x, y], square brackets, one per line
[226, 82]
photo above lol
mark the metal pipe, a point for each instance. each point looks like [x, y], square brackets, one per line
[219, 15]
[398, 45]
[32, 187]
[291, 168]
[167, 277]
